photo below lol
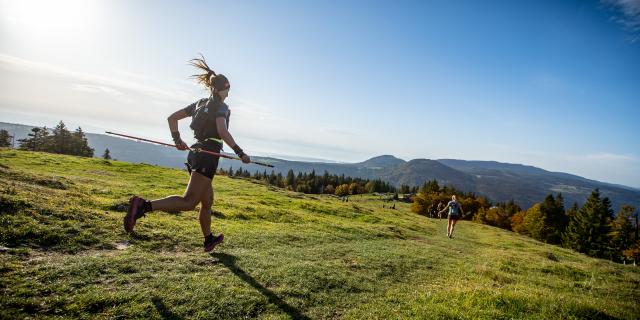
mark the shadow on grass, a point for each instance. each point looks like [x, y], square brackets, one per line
[165, 313]
[230, 262]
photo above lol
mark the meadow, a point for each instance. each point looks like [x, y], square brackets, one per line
[286, 255]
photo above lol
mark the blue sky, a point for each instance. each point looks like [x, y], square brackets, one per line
[555, 84]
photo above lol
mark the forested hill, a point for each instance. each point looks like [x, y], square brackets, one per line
[498, 181]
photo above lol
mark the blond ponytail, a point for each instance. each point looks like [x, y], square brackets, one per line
[207, 75]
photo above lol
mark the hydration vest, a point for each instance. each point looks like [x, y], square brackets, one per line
[203, 122]
[454, 209]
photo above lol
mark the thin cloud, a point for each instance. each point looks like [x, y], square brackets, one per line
[95, 79]
[604, 156]
[627, 14]
[97, 89]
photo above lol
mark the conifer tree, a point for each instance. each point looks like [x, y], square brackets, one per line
[5, 138]
[554, 218]
[588, 231]
[106, 155]
[37, 140]
[572, 211]
[80, 145]
[61, 140]
[291, 179]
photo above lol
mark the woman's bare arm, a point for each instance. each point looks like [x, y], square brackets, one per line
[173, 119]
[226, 136]
[224, 133]
[173, 127]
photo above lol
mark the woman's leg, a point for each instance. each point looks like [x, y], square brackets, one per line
[449, 226]
[453, 225]
[205, 211]
[198, 185]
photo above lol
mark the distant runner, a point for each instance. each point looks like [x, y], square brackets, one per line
[455, 212]
[210, 122]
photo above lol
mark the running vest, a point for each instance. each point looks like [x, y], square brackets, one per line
[454, 208]
[204, 113]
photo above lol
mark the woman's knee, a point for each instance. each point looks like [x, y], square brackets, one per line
[206, 203]
[190, 203]
[207, 198]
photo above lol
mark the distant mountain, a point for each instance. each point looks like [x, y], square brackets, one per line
[381, 162]
[527, 184]
[498, 181]
[417, 171]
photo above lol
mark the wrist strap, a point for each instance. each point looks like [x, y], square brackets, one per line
[238, 150]
[176, 136]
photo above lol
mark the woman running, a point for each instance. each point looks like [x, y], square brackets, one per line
[455, 212]
[210, 123]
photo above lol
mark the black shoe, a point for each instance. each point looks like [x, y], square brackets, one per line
[134, 213]
[211, 242]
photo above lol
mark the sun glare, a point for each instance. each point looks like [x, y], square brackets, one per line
[50, 17]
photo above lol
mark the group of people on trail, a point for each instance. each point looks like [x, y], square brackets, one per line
[210, 124]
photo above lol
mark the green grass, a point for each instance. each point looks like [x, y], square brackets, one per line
[286, 255]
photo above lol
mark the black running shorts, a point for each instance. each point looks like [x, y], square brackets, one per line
[202, 162]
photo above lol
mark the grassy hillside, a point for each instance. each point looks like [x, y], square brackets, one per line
[286, 255]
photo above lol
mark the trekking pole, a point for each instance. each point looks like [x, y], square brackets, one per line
[196, 149]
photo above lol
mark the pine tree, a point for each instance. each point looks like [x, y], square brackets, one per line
[572, 211]
[106, 155]
[37, 140]
[554, 219]
[290, 181]
[588, 231]
[79, 144]
[61, 140]
[5, 138]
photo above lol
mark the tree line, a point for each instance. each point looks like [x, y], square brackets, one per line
[312, 183]
[592, 229]
[59, 140]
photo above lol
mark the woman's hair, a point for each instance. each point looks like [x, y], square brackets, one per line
[207, 76]
[453, 197]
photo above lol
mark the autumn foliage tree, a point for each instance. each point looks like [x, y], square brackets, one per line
[623, 233]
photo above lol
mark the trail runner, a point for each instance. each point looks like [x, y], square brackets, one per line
[210, 123]
[455, 213]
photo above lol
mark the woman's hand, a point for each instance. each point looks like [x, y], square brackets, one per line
[245, 159]
[180, 145]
